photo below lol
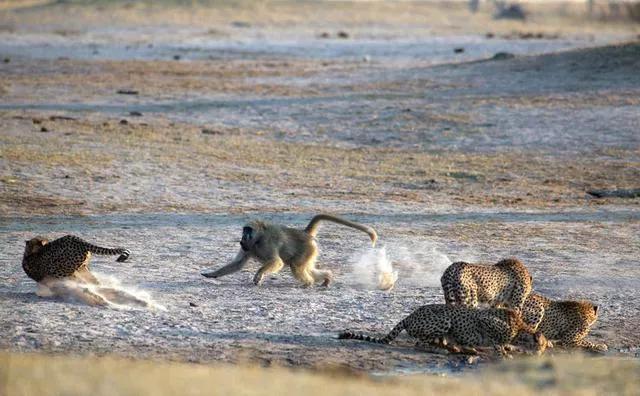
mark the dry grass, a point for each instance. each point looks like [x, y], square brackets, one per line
[33, 374]
[106, 149]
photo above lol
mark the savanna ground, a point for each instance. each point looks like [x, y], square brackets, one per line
[235, 110]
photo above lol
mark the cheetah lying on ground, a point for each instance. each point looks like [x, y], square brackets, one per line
[462, 329]
[567, 322]
[505, 284]
[61, 268]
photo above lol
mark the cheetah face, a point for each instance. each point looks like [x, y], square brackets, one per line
[33, 246]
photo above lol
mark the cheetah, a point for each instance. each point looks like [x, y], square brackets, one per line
[505, 284]
[567, 322]
[61, 267]
[462, 329]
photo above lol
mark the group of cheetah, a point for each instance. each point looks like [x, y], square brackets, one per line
[516, 316]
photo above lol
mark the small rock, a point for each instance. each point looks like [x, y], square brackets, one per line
[503, 56]
[511, 11]
[458, 50]
[343, 35]
[124, 122]
[127, 92]
[208, 131]
[135, 114]
[240, 24]
[44, 129]
[6, 60]
[61, 118]
[490, 35]
[177, 57]
[621, 193]
[324, 35]
[192, 304]
[36, 121]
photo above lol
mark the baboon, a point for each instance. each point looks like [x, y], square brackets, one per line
[274, 246]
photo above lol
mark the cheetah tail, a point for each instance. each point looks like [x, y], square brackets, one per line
[393, 334]
[124, 253]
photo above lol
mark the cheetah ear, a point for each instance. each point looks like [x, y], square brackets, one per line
[595, 309]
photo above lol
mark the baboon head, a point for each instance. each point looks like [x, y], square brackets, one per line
[33, 245]
[252, 235]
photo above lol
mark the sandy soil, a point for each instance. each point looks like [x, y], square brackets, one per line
[450, 156]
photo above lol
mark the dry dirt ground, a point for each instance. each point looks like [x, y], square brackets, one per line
[243, 112]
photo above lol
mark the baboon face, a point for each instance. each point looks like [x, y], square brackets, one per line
[33, 246]
[252, 235]
[247, 238]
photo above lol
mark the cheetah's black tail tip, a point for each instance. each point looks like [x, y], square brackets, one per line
[124, 256]
[348, 335]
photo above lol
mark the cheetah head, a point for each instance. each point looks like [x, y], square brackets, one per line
[33, 245]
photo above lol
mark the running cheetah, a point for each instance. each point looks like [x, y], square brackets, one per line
[61, 267]
[504, 284]
[462, 329]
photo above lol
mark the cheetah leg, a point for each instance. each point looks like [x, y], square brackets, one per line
[431, 346]
[120, 297]
[468, 296]
[532, 313]
[66, 288]
[449, 295]
[576, 339]
[588, 345]
[86, 276]
[44, 290]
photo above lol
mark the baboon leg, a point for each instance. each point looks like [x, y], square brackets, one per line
[305, 270]
[272, 266]
[324, 276]
[303, 275]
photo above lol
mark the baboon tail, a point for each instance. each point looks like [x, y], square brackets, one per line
[393, 334]
[312, 227]
[124, 253]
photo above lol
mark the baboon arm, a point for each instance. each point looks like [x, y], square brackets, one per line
[236, 265]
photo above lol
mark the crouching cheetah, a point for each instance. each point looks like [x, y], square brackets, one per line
[61, 267]
[567, 322]
[462, 329]
[504, 284]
